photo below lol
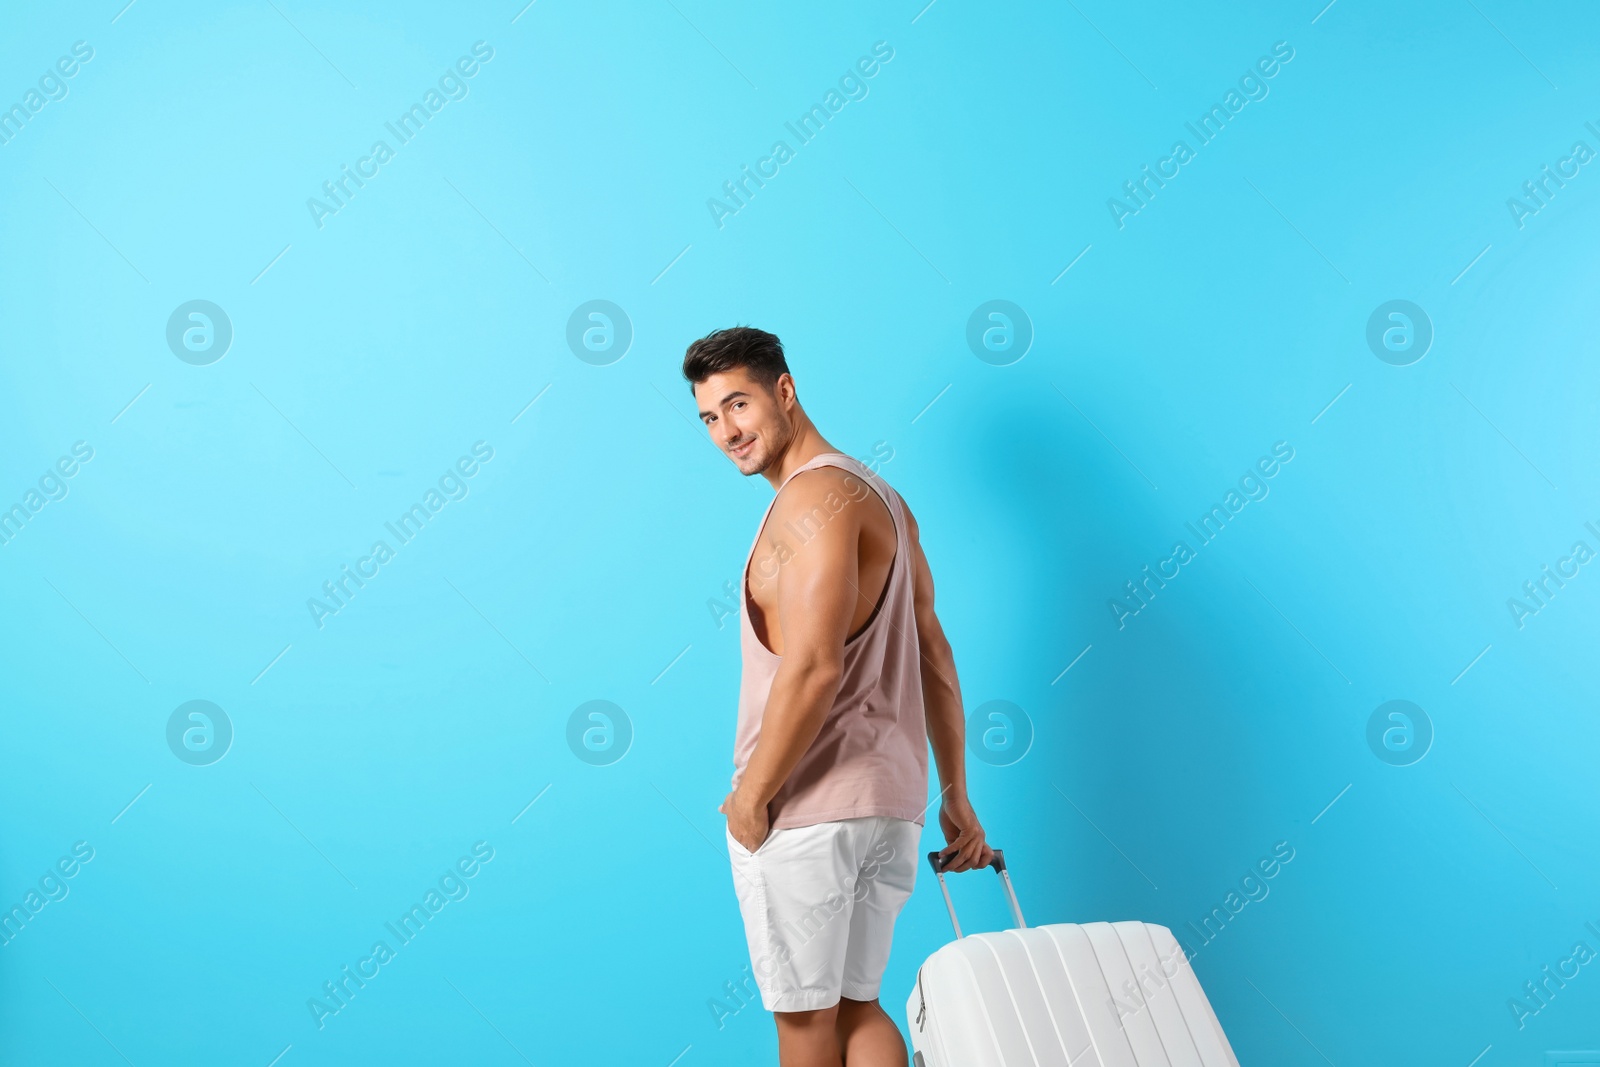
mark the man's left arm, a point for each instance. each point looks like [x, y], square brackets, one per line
[967, 846]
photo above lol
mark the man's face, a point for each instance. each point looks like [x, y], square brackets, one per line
[746, 419]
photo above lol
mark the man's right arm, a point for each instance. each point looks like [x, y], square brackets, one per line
[966, 846]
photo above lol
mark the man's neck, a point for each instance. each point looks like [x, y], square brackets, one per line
[806, 446]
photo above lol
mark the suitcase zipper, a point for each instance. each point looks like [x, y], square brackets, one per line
[922, 1001]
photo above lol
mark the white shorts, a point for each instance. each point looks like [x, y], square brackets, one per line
[819, 904]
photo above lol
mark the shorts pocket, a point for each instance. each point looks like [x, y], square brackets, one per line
[736, 844]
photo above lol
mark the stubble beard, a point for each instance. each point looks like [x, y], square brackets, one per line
[769, 446]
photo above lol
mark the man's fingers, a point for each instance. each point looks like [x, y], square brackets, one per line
[965, 848]
[968, 851]
[975, 852]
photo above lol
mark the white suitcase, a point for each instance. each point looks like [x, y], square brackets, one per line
[1096, 995]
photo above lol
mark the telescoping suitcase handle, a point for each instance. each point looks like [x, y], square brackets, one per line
[999, 865]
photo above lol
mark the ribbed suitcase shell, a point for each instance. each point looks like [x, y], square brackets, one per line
[1096, 995]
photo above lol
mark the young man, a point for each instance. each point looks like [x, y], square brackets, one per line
[847, 678]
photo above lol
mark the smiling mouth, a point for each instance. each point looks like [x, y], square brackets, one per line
[742, 450]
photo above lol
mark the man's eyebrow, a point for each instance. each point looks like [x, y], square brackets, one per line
[724, 400]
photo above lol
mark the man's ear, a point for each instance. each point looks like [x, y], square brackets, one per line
[785, 389]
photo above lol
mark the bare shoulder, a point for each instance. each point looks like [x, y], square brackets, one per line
[911, 521]
[820, 495]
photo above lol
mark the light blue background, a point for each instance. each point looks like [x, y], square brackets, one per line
[430, 311]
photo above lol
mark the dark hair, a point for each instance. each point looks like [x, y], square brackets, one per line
[757, 351]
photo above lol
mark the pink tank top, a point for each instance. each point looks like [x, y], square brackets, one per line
[871, 756]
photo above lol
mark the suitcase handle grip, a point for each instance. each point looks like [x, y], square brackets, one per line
[938, 861]
[998, 864]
